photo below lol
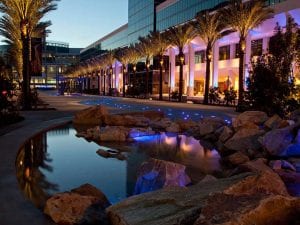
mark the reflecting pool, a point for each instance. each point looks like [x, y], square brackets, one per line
[57, 161]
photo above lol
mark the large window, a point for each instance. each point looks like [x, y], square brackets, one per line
[256, 47]
[224, 52]
[200, 56]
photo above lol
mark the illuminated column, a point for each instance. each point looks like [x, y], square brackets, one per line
[191, 79]
[265, 45]
[117, 73]
[215, 65]
[172, 68]
[247, 58]
[232, 51]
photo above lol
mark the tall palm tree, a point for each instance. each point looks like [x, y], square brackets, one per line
[110, 60]
[180, 36]
[133, 56]
[146, 49]
[209, 27]
[121, 56]
[25, 15]
[242, 17]
[161, 44]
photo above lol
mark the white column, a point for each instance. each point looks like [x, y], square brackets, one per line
[191, 71]
[265, 45]
[172, 67]
[117, 72]
[215, 65]
[247, 58]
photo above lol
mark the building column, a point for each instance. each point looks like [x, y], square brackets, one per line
[215, 65]
[191, 80]
[232, 51]
[247, 58]
[172, 68]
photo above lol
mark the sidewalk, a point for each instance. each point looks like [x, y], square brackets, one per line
[15, 209]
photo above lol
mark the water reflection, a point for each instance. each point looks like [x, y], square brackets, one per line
[31, 161]
[58, 161]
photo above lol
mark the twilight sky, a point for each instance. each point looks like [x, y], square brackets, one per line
[81, 22]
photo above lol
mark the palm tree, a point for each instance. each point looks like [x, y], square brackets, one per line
[133, 56]
[121, 56]
[146, 49]
[210, 28]
[25, 16]
[161, 44]
[109, 58]
[180, 36]
[242, 17]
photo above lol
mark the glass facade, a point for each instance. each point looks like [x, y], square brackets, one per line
[140, 18]
[118, 40]
[182, 11]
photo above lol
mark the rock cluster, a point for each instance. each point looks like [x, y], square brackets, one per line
[259, 153]
[83, 205]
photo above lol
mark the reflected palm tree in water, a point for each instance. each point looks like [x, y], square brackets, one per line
[31, 161]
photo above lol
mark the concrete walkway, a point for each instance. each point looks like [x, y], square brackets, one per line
[15, 209]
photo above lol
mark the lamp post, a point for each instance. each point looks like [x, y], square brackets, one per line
[26, 64]
[147, 77]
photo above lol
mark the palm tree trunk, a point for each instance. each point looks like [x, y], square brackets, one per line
[147, 78]
[241, 71]
[207, 74]
[124, 77]
[180, 75]
[26, 73]
[161, 79]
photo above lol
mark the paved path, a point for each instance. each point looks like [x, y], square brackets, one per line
[14, 208]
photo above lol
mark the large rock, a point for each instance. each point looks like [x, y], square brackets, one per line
[126, 120]
[85, 205]
[245, 140]
[226, 133]
[172, 205]
[114, 133]
[292, 150]
[173, 128]
[256, 117]
[90, 116]
[186, 124]
[256, 166]
[276, 141]
[246, 210]
[156, 174]
[237, 158]
[160, 124]
[209, 125]
[273, 122]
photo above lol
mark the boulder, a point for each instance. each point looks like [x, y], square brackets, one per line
[90, 190]
[209, 125]
[85, 205]
[266, 182]
[156, 174]
[160, 124]
[111, 154]
[256, 117]
[256, 166]
[292, 150]
[237, 158]
[282, 165]
[273, 122]
[140, 132]
[246, 210]
[91, 116]
[172, 205]
[295, 115]
[126, 120]
[226, 134]
[276, 141]
[173, 128]
[186, 124]
[245, 140]
[114, 133]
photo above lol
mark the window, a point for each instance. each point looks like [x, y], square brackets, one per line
[224, 52]
[256, 47]
[200, 56]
